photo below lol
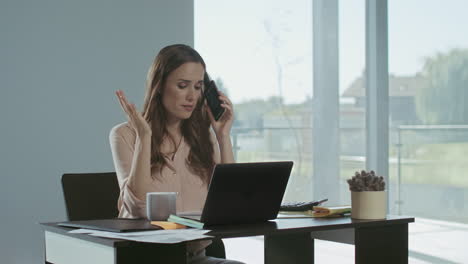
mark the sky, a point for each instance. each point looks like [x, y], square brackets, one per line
[263, 48]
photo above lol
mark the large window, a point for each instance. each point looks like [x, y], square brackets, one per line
[296, 72]
[428, 85]
[260, 53]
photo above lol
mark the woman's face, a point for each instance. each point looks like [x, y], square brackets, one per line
[182, 90]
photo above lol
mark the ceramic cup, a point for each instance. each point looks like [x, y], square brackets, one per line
[159, 205]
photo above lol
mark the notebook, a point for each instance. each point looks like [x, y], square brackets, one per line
[241, 193]
[113, 225]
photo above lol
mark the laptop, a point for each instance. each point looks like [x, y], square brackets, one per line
[244, 193]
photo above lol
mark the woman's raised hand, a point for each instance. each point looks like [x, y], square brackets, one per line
[222, 127]
[135, 119]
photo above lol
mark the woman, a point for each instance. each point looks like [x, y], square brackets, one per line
[169, 146]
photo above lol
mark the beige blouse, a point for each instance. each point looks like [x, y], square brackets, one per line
[176, 177]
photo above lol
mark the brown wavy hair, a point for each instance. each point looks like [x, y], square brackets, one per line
[195, 129]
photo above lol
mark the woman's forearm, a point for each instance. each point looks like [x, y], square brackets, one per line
[139, 179]
[225, 147]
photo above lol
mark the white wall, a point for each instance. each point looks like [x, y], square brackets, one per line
[60, 62]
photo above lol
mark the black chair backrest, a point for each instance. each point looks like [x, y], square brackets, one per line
[90, 195]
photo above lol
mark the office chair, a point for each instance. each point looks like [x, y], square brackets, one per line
[94, 196]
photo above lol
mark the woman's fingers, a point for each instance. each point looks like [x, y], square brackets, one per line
[226, 103]
[128, 108]
[134, 114]
[227, 115]
[135, 118]
[227, 107]
[225, 99]
[122, 101]
[134, 110]
[223, 95]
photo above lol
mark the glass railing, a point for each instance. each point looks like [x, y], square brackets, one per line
[428, 165]
[429, 169]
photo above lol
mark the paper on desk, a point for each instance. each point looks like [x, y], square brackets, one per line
[81, 231]
[157, 236]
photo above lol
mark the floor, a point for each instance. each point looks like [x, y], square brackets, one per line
[430, 241]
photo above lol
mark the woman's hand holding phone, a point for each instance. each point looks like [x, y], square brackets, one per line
[212, 98]
[222, 127]
[135, 119]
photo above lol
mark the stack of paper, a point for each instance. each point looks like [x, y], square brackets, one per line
[158, 236]
[323, 211]
[318, 211]
[168, 225]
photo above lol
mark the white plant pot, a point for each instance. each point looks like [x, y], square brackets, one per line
[369, 205]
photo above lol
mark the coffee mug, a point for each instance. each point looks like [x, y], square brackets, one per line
[159, 205]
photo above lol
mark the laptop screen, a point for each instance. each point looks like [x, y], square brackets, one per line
[245, 192]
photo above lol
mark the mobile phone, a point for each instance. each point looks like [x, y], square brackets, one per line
[212, 98]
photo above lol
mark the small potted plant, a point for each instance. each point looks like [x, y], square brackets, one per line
[368, 196]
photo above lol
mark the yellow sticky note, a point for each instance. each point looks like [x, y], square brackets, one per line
[168, 225]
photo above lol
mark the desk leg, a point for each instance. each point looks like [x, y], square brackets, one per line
[381, 244]
[151, 253]
[289, 248]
